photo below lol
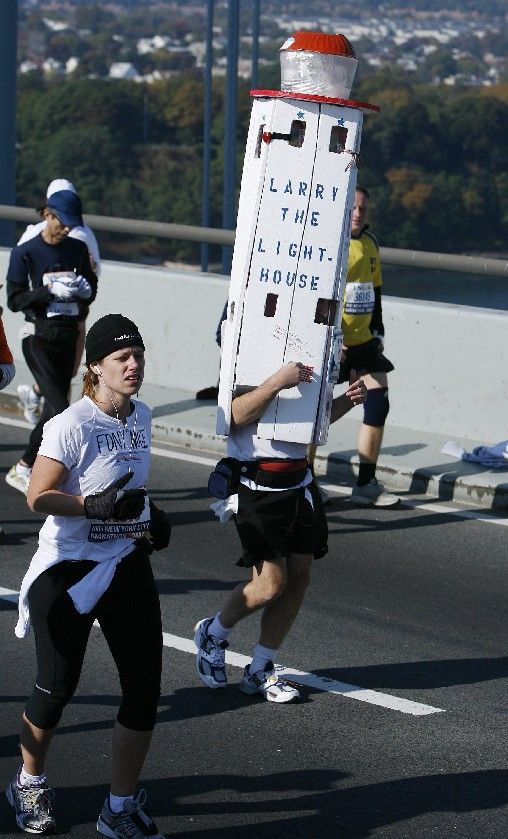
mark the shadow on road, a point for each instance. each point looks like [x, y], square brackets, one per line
[420, 675]
[297, 804]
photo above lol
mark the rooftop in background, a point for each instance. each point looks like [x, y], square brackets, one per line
[448, 45]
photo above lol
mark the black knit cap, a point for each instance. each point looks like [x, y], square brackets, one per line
[111, 333]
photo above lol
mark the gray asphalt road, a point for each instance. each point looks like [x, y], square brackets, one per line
[409, 604]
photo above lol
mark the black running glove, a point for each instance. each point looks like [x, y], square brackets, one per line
[112, 503]
[159, 533]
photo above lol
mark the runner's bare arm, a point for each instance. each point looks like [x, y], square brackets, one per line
[250, 406]
[354, 395]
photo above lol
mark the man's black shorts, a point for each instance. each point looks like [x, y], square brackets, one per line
[272, 525]
[364, 358]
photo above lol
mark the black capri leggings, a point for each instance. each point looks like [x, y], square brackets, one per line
[129, 616]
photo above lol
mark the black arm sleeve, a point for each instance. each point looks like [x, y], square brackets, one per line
[85, 269]
[19, 294]
[376, 322]
[18, 300]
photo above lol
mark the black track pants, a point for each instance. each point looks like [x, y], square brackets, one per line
[51, 365]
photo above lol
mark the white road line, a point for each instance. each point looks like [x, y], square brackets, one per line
[301, 677]
[17, 423]
[189, 458]
[430, 506]
[9, 595]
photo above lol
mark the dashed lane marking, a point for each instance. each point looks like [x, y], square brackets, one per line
[301, 677]
[430, 506]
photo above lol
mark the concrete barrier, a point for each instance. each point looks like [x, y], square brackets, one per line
[451, 362]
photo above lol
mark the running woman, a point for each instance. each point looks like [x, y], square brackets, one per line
[92, 563]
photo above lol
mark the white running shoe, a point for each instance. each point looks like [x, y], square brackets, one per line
[31, 402]
[211, 656]
[268, 684]
[132, 823]
[32, 806]
[19, 477]
[373, 494]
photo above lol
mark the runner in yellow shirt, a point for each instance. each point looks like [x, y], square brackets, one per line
[362, 325]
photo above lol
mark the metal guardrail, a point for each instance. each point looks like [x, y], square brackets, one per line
[217, 236]
[445, 262]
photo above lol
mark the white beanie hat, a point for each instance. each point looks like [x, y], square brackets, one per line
[58, 185]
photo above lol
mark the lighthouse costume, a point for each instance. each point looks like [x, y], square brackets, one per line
[290, 260]
[281, 344]
[294, 223]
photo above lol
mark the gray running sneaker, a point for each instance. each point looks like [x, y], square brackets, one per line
[268, 684]
[18, 480]
[32, 806]
[373, 494]
[31, 402]
[211, 656]
[132, 823]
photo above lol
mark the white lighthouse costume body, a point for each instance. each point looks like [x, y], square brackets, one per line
[292, 238]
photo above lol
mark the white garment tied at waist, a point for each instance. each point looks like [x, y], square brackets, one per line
[84, 594]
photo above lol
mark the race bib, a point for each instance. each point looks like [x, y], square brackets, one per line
[61, 307]
[131, 529]
[359, 299]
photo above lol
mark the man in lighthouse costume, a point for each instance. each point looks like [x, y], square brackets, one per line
[281, 344]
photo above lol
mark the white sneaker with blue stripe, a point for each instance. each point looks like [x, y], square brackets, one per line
[268, 684]
[210, 656]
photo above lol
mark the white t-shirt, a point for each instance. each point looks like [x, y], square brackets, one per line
[244, 444]
[96, 449]
[84, 234]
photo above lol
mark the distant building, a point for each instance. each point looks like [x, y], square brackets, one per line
[156, 42]
[71, 64]
[124, 70]
[51, 65]
[55, 25]
[27, 67]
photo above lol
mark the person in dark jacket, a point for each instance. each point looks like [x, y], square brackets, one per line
[51, 281]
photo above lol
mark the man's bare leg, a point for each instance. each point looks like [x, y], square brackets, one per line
[267, 585]
[370, 437]
[279, 615]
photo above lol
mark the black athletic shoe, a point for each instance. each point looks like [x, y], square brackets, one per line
[132, 823]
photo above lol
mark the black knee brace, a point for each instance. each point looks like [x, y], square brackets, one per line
[376, 407]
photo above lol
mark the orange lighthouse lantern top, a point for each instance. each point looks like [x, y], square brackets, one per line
[319, 42]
